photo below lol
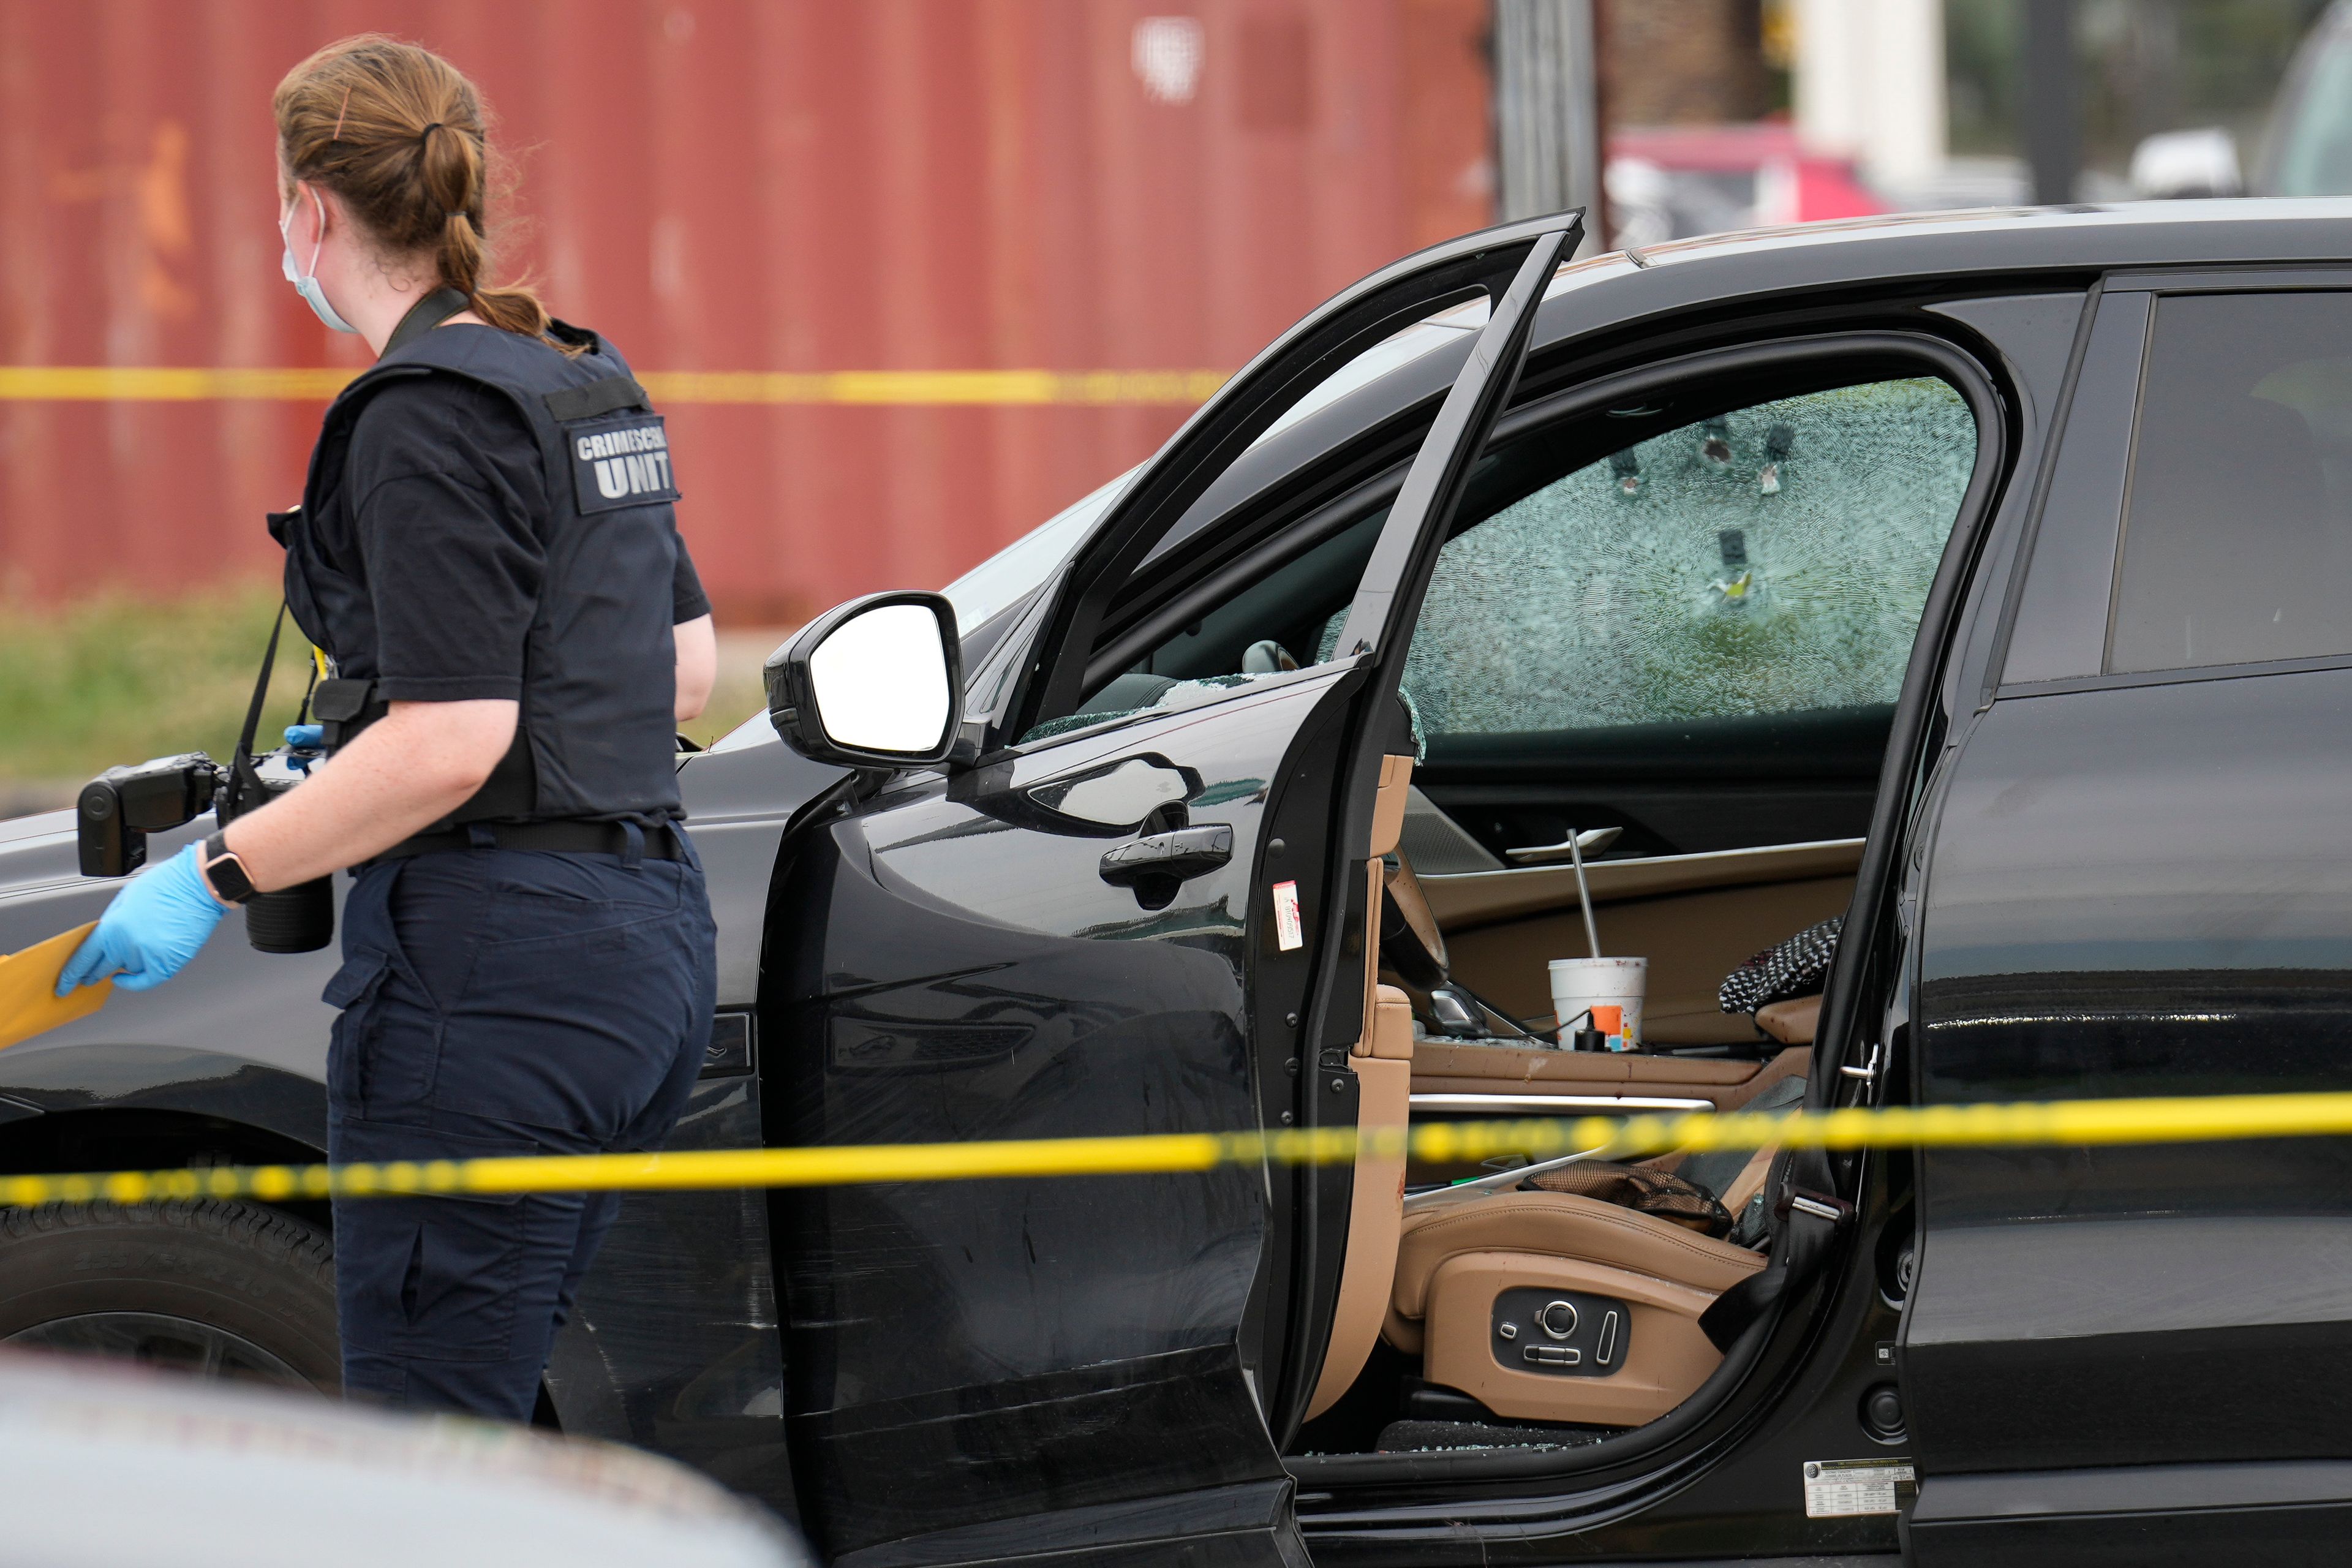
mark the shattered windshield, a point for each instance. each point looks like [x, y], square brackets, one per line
[1772, 560]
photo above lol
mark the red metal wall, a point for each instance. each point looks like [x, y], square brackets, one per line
[719, 185]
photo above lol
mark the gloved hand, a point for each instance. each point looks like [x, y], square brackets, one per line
[151, 930]
[306, 741]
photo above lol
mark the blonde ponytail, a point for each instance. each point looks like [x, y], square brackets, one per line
[402, 137]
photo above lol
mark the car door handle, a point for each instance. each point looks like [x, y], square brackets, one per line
[1186, 853]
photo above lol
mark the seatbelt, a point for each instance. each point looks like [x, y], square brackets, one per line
[1805, 1200]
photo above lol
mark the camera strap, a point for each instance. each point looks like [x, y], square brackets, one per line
[245, 788]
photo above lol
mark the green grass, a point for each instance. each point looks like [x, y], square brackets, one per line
[120, 680]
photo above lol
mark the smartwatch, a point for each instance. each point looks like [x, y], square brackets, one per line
[224, 871]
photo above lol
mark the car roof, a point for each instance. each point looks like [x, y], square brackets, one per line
[1961, 252]
[1950, 247]
[2110, 234]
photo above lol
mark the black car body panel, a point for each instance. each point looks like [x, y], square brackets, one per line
[959, 969]
[674, 1345]
[1089, 1368]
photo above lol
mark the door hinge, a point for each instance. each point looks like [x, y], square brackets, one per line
[1820, 1205]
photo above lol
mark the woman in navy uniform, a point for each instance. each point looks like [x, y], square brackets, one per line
[487, 552]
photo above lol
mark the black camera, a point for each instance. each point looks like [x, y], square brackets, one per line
[118, 809]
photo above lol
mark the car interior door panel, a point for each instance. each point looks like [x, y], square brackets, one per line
[1697, 917]
[1537, 1073]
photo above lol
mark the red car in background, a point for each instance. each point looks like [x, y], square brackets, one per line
[1675, 182]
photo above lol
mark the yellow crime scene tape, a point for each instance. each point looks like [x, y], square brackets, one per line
[2052, 1124]
[880, 388]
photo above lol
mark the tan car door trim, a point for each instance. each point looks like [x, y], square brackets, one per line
[1469, 899]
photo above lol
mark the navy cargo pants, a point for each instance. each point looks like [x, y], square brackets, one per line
[500, 1002]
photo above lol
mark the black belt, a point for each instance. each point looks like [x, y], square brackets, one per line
[661, 841]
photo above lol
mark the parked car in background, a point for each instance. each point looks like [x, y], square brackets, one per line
[2307, 151]
[1679, 181]
[2306, 147]
[111, 1468]
[1974, 579]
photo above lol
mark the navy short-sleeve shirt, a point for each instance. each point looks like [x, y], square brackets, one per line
[444, 489]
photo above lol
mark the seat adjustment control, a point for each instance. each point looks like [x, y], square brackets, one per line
[1559, 1333]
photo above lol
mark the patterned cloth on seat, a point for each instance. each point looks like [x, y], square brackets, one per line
[1796, 967]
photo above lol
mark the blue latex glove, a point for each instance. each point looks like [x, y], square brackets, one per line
[305, 741]
[151, 931]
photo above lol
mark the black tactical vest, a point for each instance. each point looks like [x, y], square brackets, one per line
[597, 731]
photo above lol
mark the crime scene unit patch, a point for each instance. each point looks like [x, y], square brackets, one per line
[621, 462]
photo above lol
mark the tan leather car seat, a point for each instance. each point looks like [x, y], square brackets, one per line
[1792, 1022]
[1432, 1284]
[1646, 1280]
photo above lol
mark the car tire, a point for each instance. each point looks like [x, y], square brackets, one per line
[226, 1291]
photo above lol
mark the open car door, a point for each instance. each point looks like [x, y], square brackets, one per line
[1105, 923]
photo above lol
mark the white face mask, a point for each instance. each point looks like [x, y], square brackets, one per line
[307, 286]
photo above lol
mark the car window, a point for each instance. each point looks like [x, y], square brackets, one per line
[2234, 546]
[1772, 560]
[1268, 628]
[1015, 571]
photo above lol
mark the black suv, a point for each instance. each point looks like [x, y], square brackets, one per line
[1983, 580]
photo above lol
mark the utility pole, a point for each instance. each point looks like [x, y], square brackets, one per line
[1548, 126]
[2048, 106]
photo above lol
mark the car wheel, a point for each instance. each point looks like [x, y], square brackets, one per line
[224, 1290]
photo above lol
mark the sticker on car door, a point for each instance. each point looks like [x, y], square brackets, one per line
[1842, 1488]
[1287, 933]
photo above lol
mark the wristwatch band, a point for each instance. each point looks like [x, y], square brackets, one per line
[224, 871]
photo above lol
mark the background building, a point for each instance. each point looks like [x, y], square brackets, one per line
[810, 224]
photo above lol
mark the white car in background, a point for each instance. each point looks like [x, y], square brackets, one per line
[109, 1467]
[2307, 150]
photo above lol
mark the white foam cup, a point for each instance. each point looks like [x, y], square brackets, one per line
[1604, 985]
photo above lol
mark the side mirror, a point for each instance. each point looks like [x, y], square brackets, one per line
[878, 681]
